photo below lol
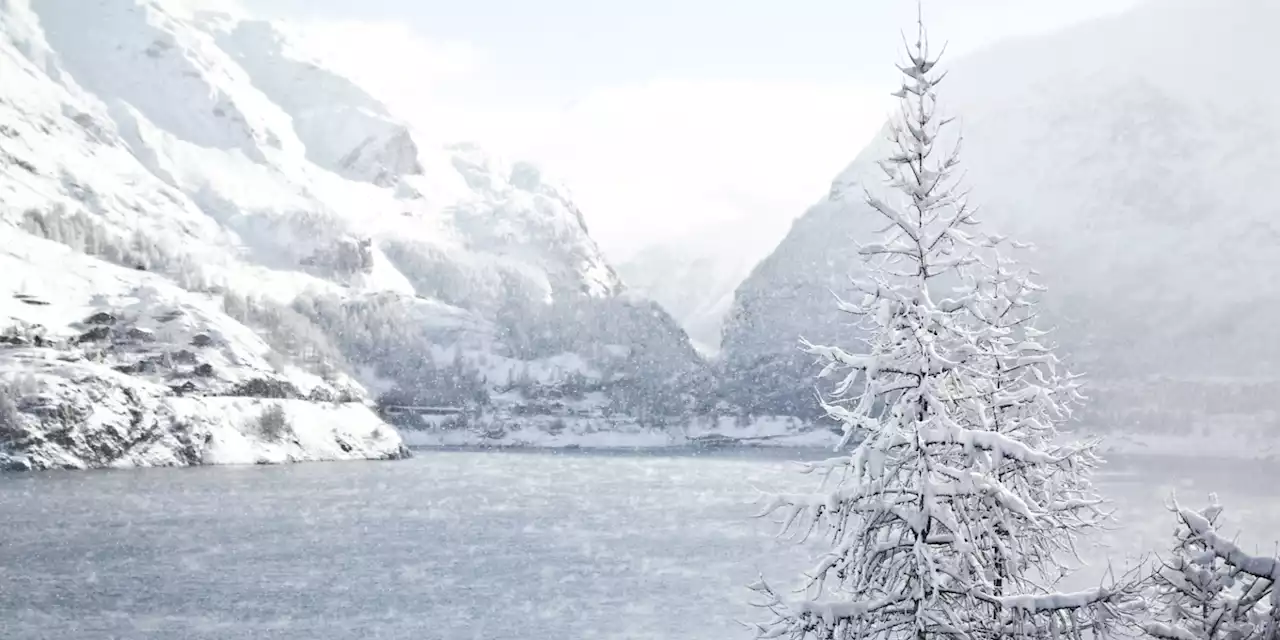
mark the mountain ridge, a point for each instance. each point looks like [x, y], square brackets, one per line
[333, 253]
[1134, 163]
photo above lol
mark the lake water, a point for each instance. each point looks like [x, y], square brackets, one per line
[456, 544]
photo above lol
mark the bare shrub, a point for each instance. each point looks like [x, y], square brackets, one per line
[273, 424]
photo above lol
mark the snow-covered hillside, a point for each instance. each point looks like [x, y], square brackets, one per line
[695, 286]
[106, 366]
[204, 178]
[1135, 152]
[694, 276]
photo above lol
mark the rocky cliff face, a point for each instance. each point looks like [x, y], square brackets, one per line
[1137, 165]
[257, 226]
[106, 366]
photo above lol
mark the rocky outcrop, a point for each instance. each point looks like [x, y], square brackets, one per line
[256, 224]
[103, 366]
[76, 415]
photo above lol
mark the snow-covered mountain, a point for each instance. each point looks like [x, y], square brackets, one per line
[1136, 152]
[195, 216]
[695, 285]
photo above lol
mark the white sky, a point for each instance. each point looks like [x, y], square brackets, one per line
[688, 122]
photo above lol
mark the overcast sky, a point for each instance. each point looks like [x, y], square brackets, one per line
[668, 119]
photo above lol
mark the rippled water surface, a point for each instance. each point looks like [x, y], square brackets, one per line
[455, 544]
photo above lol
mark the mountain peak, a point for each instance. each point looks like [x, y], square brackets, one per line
[206, 155]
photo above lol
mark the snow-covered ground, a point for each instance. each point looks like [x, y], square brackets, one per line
[313, 431]
[107, 366]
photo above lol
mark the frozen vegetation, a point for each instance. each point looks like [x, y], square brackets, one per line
[960, 508]
[957, 511]
[1137, 166]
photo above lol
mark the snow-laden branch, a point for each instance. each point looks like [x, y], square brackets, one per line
[1168, 632]
[956, 495]
[1257, 566]
[832, 612]
[1209, 589]
[993, 441]
[1049, 602]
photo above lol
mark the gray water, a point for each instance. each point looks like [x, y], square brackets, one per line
[454, 545]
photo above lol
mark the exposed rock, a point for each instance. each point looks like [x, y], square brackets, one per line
[31, 300]
[137, 334]
[111, 420]
[101, 318]
[96, 334]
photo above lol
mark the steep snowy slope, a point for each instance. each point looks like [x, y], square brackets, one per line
[1135, 152]
[696, 287]
[345, 130]
[106, 366]
[207, 152]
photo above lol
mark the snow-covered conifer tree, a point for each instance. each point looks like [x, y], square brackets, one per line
[1209, 589]
[957, 511]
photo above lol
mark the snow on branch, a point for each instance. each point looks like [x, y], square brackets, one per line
[993, 441]
[1204, 532]
[956, 494]
[1055, 601]
[1209, 589]
[832, 612]
[1168, 632]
